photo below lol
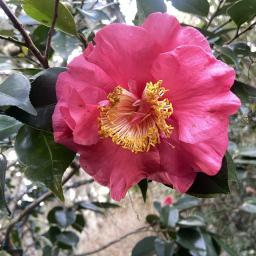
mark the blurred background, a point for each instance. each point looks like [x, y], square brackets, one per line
[166, 223]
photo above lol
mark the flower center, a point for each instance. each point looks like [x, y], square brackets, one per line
[133, 123]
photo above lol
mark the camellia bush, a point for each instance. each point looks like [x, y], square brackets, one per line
[167, 102]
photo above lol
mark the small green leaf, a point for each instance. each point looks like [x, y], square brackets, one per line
[80, 223]
[89, 206]
[242, 11]
[244, 91]
[212, 248]
[143, 185]
[197, 7]
[14, 91]
[192, 240]
[144, 247]
[192, 221]
[62, 216]
[164, 248]
[68, 239]
[187, 202]
[43, 97]
[228, 249]
[42, 11]
[45, 160]
[152, 219]
[105, 205]
[63, 45]
[169, 216]
[146, 7]
[3, 168]
[8, 126]
[249, 206]
[208, 186]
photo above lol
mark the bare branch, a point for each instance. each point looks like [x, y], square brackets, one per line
[10, 39]
[28, 41]
[51, 30]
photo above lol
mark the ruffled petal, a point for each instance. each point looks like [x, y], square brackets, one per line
[117, 168]
[199, 89]
[169, 34]
[125, 53]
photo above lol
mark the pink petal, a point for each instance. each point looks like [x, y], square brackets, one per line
[117, 168]
[125, 53]
[169, 34]
[199, 89]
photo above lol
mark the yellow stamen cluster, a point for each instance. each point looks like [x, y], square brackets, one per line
[131, 126]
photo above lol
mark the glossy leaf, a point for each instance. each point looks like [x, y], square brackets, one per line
[45, 160]
[8, 126]
[187, 202]
[68, 239]
[211, 248]
[3, 168]
[42, 11]
[79, 223]
[164, 248]
[242, 11]
[145, 7]
[105, 205]
[61, 216]
[192, 221]
[169, 216]
[63, 44]
[89, 206]
[244, 91]
[144, 247]
[197, 7]
[14, 91]
[192, 240]
[143, 185]
[43, 97]
[208, 186]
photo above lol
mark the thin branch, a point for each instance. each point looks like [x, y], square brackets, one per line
[238, 34]
[28, 41]
[51, 30]
[222, 25]
[142, 229]
[215, 13]
[10, 39]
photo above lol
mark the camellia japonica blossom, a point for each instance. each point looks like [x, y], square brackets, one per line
[147, 101]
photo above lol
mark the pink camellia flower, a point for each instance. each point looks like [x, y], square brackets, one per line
[168, 200]
[146, 101]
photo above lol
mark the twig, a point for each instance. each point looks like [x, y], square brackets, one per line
[142, 229]
[33, 205]
[51, 30]
[214, 14]
[10, 39]
[238, 34]
[222, 25]
[28, 41]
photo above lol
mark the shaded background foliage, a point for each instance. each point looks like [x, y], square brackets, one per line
[33, 221]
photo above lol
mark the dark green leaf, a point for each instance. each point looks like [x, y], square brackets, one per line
[210, 246]
[80, 223]
[244, 91]
[157, 206]
[144, 247]
[3, 167]
[242, 11]
[192, 240]
[89, 206]
[43, 97]
[187, 202]
[152, 219]
[197, 7]
[62, 216]
[143, 185]
[164, 248]
[52, 233]
[42, 11]
[249, 206]
[45, 160]
[14, 91]
[207, 186]
[145, 7]
[169, 216]
[63, 45]
[192, 221]
[8, 126]
[68, 238]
